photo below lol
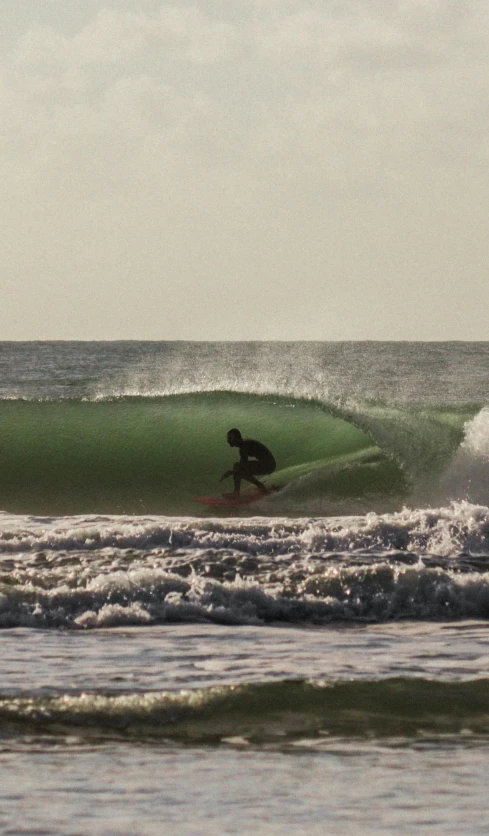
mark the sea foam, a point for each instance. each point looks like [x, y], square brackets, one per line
[90, 572]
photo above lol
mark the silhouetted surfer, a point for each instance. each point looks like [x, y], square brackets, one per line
[262, 461]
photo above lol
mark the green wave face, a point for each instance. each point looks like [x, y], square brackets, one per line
[155, 455]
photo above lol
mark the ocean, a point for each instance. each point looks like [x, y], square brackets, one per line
[316, 662]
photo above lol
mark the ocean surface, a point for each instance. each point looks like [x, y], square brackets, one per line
[316, 662]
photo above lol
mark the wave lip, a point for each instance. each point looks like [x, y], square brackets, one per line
[269, 712]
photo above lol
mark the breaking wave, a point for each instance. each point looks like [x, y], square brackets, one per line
[140, 455]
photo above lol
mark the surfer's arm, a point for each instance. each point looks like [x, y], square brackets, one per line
[226, 475]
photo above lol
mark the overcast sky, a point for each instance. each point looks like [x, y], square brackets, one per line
[244, 169]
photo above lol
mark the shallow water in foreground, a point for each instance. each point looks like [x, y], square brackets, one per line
[371, 788]
[398, 763]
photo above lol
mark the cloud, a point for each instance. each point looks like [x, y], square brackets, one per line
[294, 90]
[112, 37]
[276, 137]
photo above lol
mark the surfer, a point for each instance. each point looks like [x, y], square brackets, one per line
[262, 462]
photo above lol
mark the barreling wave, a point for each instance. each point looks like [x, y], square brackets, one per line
[281, 713]
[156, 454]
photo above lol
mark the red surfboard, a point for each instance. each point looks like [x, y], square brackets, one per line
[232, 500]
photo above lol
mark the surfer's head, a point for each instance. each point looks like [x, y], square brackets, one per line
[234, 437]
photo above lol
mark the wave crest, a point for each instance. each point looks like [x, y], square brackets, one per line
[274, 712]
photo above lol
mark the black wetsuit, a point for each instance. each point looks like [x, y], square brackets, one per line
[262, 460]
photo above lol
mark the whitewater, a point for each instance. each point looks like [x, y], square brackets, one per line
[278, 657]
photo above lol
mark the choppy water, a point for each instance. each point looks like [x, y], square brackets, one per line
[315, 663]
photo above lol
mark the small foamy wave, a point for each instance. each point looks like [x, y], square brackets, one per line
[448, 531]
[271, 712]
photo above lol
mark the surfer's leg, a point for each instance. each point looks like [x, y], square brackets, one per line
[250, 472]
[237, 478]
[246, 471]
[255, 482]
